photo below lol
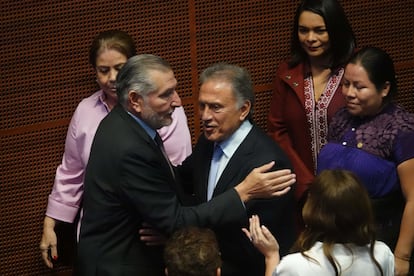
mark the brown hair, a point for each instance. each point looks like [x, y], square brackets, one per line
[112, 39]
[192, 251]
[337, 210]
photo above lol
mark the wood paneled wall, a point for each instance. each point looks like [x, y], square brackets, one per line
[45, 73]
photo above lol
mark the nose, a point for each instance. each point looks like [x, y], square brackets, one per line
[348, 91]
[310, 37]
[176, 100]
[205, 113]
[112, 75]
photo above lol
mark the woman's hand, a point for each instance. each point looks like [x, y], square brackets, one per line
[261, 237]
[49, 242]
[265, 242]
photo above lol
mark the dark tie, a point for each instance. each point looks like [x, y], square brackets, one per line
[212, 178]
[160, 144]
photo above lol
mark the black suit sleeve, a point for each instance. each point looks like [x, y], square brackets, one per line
[152, 194]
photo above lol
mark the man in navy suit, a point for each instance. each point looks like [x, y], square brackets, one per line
[128, 180]
[226, 100]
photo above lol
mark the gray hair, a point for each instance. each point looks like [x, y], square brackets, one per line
[239, 79]
[135, 75]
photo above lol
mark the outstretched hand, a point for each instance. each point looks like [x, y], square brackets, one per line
[262, 183]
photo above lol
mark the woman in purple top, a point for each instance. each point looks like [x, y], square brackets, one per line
[373, 137]
[108, 53]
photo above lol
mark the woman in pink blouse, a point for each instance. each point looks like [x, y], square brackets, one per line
[108, 53]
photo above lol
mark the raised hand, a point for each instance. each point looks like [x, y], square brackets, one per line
[265, 242]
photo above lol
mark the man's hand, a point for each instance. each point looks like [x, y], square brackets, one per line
[151, 236]
[49, 242]
[260, 183]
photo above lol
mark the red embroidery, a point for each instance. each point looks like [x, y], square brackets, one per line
[317, 112]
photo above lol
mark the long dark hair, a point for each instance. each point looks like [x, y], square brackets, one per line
[337, 210]
[341, 36]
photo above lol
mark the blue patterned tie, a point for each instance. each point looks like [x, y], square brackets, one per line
[215, 163]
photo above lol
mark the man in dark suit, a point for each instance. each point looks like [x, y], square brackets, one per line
[128, 180]
[226, 100]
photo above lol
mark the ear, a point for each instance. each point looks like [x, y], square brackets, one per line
[245, 110]
[136, 101]
[386, 89]
[218, 271]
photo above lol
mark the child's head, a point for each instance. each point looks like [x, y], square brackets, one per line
[192, 251]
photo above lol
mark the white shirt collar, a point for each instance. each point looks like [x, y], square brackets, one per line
[230, 145]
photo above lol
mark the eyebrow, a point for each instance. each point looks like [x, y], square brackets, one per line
[167, 91]
[313, 27]
[116, 65]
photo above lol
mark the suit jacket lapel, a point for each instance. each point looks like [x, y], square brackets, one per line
[144, 135]
[230, 175]
[205, 170]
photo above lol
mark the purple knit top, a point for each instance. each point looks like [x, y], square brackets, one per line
[371, 147]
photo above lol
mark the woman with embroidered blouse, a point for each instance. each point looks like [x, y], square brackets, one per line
[373, 137]
[307, 90]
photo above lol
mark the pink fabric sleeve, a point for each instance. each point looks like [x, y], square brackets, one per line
[177, 137]
[64, 200]
[66, 196]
